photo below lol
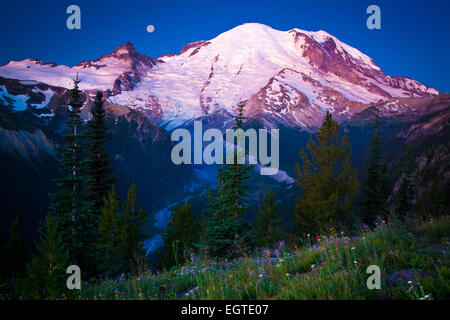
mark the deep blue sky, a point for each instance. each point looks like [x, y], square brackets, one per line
[413, 40]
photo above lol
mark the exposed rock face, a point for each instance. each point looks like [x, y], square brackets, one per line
[137, 63]
[126, 53]
[196, 45]
[411, 85]
[405, 109]
[436, 122]
[204, 99]
[125, 82]
[280, 100]
[325, 57]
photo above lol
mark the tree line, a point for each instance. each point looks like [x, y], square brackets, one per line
[87, 225]
[328, 186]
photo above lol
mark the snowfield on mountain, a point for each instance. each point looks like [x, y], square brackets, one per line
[291, 76]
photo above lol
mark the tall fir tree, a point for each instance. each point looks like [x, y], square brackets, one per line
[375, 192]
[180, 236]
[226, 231]
[46, 274]
[17, 251]
[134, 217]
[3, 255]
[3, 266]
[110, 244]
[69, 205]
[267, 221]
[405, 194]
[17, 257]
[327, 180]
[99, 178]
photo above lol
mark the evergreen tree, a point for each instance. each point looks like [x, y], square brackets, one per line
[17, 252]
[375, 192]
[134, 217]
[17, 255]
[3, 266]
[98, 164]
[110, 244]
[226, 231]
[218, 232]
[267, 221]
[46, 274]
[180, 235]
[69, 205]
[3, 255]
[405, 193]
[327, 180]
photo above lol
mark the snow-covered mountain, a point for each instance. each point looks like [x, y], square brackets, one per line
[109, 72]
[291, 77]
[285, 78]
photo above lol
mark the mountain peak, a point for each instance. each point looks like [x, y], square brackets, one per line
[245, 30]
[125, 49]
[252, 25]
[128, 53]
[292, 75]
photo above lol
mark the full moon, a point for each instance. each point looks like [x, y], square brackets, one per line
[150, 28]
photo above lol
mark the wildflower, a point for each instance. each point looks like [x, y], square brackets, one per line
[409, 282]
[260, 276]
[140, 294]
[353, 248]
[355, 262]
[287, 274]
[312, 266]
[277, 253]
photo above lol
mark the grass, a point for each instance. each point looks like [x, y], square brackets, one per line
[435, 230]
[333, 268]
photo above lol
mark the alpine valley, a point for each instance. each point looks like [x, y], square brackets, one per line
[287, 80]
